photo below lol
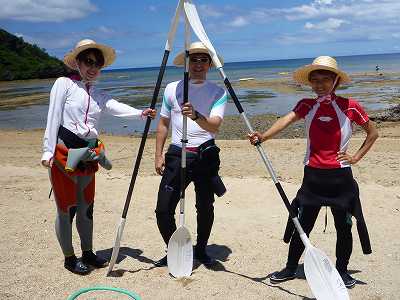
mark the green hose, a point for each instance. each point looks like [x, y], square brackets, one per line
[104, 288]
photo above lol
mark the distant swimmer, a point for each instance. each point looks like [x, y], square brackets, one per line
[377, 69]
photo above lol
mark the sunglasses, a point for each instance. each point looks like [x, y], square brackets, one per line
[199, 60]
[91, 63]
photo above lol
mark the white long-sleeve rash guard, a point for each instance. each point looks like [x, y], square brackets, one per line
[79, 108]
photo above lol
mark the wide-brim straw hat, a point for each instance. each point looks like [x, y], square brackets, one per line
[302, 74]
[70, 57]
[195, 47]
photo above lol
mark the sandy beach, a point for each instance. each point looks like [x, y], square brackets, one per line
[246, 238]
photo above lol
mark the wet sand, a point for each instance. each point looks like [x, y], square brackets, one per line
[12, 96]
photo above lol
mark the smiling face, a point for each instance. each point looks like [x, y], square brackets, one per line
[322, 81]
[199, 64]
[90, 63]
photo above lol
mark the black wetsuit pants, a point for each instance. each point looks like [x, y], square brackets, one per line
[344, 241]
[169, 196]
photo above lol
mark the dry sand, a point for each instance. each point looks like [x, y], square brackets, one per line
[247, 233]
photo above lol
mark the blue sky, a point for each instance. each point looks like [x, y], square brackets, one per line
[240, 30]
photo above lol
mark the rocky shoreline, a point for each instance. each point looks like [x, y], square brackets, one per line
[388, 115]
[233, 127]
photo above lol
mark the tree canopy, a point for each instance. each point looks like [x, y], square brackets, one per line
[21, 60]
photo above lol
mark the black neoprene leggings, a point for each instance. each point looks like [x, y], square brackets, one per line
[344, 241]
[169, 194]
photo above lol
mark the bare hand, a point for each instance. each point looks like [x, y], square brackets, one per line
[149, 112]
[344, 157]
[47, 163]
[159, 165]
[255, 137]
[188, 110]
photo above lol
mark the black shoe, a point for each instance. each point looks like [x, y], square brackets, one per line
[202, 257]
[283, 275]
[71, 263]
[349, 281]
[163, 262]
[89, 258]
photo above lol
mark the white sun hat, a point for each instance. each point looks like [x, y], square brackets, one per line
[301, 75]
[195, 47]
[108, 53]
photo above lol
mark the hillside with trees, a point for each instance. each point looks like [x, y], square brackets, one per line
[21, 60]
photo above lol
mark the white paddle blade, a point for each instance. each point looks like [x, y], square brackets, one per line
[174, 25]
[115, 251]
[180, 253]
[197, 26]
[322, 276]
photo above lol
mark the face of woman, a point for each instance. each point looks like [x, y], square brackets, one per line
[322, 82]
[89, 68]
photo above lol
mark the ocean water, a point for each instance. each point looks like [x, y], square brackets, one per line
[135, 87]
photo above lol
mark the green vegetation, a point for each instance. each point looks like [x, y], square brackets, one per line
[21, 60]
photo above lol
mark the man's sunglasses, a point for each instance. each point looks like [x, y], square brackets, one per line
[199, 60]
[92, 63]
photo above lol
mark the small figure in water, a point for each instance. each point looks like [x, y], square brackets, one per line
[377, 68]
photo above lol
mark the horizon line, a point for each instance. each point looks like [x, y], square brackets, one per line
[253, 61]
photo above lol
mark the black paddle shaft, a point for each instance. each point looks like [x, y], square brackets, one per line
[145, 133]
[277, 184]
[184, 139]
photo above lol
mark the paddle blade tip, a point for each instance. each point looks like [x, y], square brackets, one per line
[180, 253]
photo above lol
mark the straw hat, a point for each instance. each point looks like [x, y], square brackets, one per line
[195, 47]
[70, 57]
[320, 63]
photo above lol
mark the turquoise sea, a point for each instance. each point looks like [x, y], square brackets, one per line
[374, 89]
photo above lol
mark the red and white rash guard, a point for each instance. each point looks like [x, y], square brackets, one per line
[328, 126]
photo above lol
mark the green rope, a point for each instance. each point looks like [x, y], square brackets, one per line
[104, 288]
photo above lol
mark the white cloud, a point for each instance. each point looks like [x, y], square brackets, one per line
[209, 11]
[106, 30]
[329, 25]
[382, 10]
[45, 10]
[67, 40]
[288, 39]
[152, 8]
[49, 41]
[324, 2]
[239, 22]
[369, 19]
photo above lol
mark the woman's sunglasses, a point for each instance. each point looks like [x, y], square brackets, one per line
[199, 60]
[90, 63]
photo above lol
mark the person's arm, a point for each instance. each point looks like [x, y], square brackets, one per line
[54, 116]
[161, 137]
[277, 127]
[372, 135]
[210, 124]
[118, 109]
